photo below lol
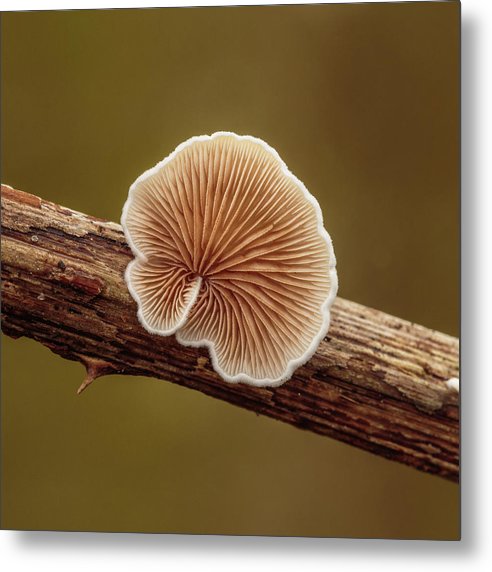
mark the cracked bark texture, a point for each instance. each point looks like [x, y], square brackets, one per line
[376, 382]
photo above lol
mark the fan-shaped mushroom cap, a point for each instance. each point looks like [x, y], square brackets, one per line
[231, 253]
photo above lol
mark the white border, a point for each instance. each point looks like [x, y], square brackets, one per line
[57, 551]
[16, 5]
[324, 309]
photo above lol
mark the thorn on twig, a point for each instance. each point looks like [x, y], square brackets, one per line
[94, 368]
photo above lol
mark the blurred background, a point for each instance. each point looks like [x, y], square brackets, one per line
[362, 103]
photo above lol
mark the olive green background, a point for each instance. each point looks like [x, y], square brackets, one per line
[362, 103]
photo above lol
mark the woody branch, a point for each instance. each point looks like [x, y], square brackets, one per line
[376, 382]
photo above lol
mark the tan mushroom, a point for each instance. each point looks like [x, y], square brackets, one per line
[231, 253]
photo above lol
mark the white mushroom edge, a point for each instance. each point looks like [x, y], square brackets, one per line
[292, 365]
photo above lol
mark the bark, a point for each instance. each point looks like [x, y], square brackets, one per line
[377, 382]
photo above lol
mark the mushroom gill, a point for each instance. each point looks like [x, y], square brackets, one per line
[231, 253]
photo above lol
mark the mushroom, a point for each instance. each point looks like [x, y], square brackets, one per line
[231, 253]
